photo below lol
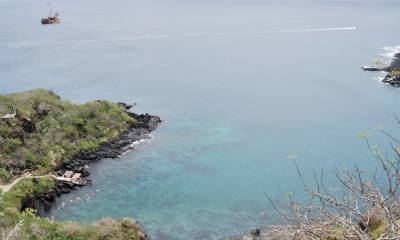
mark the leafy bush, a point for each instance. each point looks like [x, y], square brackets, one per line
[5, 176]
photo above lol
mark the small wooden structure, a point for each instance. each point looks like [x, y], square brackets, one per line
[71, 177]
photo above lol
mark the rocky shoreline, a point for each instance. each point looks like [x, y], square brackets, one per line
[139, 130]
[393, 71]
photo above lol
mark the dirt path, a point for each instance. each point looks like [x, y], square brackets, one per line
[7, 187]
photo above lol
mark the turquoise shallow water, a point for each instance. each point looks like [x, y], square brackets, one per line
[237, 89]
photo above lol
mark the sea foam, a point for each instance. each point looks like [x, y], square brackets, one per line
[390, 52]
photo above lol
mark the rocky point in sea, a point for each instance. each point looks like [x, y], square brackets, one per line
[392, 71]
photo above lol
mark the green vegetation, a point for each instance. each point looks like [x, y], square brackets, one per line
[26, 225]
[40, 132]
[47, 132]
[26, 188]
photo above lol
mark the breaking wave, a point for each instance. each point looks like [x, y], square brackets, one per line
[390, 52]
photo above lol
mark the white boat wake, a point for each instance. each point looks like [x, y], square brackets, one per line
[177, 36]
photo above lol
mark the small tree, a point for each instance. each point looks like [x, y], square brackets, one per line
[365, 208]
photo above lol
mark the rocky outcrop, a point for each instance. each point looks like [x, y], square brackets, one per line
[255, 232]
[396, 62]
[393, 76]
[41, 203]
[374, 69]
[143, 125]
[392, 79]
[126, 105]
[393, 71]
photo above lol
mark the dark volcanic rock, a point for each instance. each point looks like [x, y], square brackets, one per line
[79, 169]
[65, 189]
[41, 203]
[396, 62]
[393, 71]
[126, 105]
[374, 69]
[393, 76]
[139, 130]
[58, 191]
[50, 196]
[255, 232]
[392, 79]
[85, 172]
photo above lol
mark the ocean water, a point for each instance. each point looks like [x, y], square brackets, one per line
[239, 84]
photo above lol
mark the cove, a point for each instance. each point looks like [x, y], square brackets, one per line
[234, 106]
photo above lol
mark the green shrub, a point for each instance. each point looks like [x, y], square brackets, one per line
[31, 158]
[11, 144]
[5, 176]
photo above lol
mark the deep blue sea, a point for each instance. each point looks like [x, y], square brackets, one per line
[239, 84]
